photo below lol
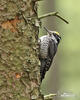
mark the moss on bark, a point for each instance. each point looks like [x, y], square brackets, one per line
[19, 63]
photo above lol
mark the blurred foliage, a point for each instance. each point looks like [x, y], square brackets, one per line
[69, 62]
[68, 57]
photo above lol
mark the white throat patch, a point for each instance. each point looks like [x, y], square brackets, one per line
[53, 37]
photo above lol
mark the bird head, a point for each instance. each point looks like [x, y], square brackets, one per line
[54, 33]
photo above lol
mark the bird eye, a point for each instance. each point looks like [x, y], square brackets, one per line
[58, 39]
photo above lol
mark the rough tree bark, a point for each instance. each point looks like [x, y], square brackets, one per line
[19, 63]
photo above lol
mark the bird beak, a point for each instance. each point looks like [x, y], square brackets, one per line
[47, 30]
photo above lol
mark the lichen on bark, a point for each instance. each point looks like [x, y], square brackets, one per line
[19, 63]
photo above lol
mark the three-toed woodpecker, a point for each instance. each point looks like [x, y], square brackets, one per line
[48, 47]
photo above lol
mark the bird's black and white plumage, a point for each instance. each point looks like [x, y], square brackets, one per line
[48, 47]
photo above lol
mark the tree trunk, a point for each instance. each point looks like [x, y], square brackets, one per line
[19, 63]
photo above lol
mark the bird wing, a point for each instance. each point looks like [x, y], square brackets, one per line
[52, 48]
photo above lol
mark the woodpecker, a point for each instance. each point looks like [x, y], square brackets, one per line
[48, 48]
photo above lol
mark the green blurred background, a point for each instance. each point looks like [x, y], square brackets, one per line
[64, 75]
